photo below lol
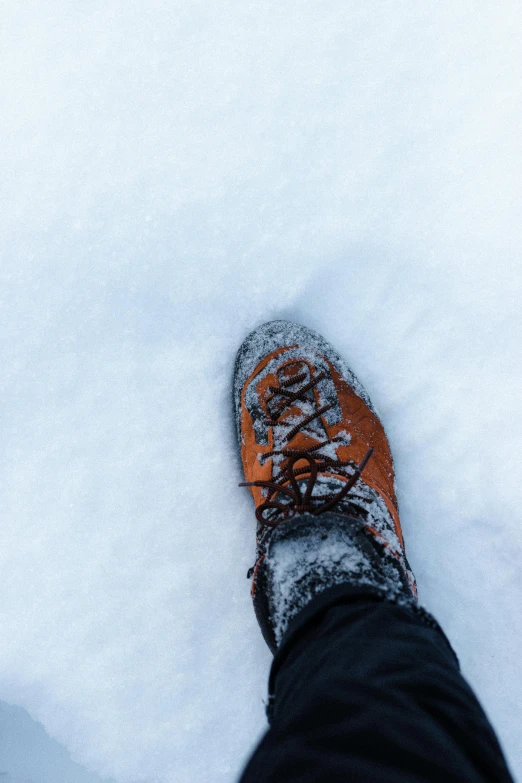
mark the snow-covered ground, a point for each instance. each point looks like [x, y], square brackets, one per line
[174, 173]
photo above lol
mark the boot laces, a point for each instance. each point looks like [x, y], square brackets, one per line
[287, 483]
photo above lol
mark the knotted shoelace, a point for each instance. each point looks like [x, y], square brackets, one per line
[300, 502]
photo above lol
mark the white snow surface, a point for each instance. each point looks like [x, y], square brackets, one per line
[174, 173]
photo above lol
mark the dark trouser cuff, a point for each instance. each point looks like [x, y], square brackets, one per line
[366, 688]
[310, 617]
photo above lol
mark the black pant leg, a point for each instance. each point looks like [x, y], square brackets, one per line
[364, 690]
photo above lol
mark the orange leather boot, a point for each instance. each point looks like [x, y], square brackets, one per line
[318, 465]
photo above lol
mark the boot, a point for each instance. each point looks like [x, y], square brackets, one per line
[318, 465]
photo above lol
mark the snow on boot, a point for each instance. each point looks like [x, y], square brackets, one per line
[318, 464]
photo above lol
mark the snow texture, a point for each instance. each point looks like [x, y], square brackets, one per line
[31, 756]
[174, 174]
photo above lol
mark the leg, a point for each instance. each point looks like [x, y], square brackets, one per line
[365, 690]
[364, 685]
